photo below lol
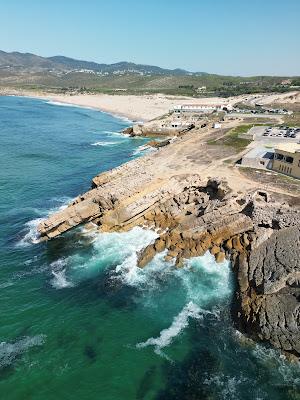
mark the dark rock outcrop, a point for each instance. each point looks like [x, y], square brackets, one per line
[158, 143]
[269, 290]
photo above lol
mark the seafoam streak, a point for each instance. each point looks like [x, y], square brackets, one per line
[180, 322]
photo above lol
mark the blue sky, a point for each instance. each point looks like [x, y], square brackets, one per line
[234, 37]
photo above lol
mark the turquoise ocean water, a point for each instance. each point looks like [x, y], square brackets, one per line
[79, 320]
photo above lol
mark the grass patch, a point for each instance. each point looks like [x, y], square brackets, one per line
[232, 138]
[240, 129]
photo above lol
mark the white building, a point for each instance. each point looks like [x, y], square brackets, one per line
[200, 108]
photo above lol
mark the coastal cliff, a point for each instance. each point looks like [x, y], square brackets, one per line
[194, 213]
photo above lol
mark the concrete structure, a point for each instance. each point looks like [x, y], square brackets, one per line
[164, 127]
[200, 108]
[259, 157]
[217, 125]
[244, 115]
[287, 159]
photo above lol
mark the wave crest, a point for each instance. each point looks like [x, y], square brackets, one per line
[104, 143]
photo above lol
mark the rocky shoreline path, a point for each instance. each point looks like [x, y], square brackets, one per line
[176, 191]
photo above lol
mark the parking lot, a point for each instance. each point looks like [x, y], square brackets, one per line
[273, 134]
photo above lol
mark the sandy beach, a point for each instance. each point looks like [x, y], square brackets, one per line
[146, 107]
[135, 108]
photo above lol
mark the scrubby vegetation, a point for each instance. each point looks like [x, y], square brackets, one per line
[185, 85]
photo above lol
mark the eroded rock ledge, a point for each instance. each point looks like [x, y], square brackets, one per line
[259, 235]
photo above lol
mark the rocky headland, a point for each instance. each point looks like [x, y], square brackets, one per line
[174, 191]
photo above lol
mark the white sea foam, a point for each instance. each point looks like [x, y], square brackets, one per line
[60, 281]
[146, 279]
[58, 270]
[118, 116]
[59, 103]
[202, 278]
[104, 143]
[278, 363]
[210, 280]
[122, 249]
[62, 104]
[142, 150]
[10, 351]
[227, 386]
[32, 235]
[114, 133]
[180, 322]
[108, 249]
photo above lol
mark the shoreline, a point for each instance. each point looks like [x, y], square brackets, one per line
[131, 108]
[137, 108]
[63, 103]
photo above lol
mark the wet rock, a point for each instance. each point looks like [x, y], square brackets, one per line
[215, 250]
[157, 144]
[179, 262]
[146, 256]
[159, 245]
[128, 131]
[220, 257]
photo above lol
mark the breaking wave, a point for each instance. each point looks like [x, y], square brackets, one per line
[144, 149]
[58, 271]
[62, 104]
[104, 143]
[119, 250]
[116, 251]
[31, 236]
[59, 280]
[115, 133]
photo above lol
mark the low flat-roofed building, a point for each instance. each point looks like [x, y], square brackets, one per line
[287, 159]
[200, 108]
[258, 157]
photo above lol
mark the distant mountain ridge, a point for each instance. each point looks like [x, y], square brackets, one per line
[31, 62]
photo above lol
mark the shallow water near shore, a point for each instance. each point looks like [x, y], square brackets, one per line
[79, 320]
